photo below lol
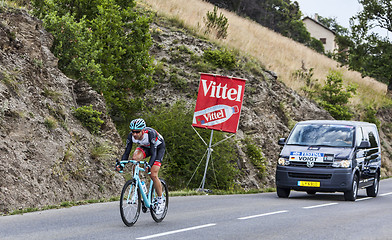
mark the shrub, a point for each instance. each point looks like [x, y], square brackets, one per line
[215, 23]
[312, 87]
[50, 123]
[182, 165]
[102, 151]
[221, 58]
[10, 81]
[256, 157]
[89, 118]
[316, 45]
[370, 116]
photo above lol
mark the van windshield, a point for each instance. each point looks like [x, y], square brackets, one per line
[322, 135]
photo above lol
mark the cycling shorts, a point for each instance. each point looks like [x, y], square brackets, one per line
[160, 152]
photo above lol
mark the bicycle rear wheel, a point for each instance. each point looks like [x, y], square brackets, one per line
[130, 203]
[154, 202]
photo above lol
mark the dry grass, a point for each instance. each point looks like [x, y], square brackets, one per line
[277, 53]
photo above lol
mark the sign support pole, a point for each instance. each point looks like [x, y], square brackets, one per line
[209, 150]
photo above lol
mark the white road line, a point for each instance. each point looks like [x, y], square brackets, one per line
[361, 199]
[177, 231]
[262, 215]
[321, 205]
[385, 194]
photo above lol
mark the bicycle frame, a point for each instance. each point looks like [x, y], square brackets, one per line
[146, 199]
[133, 199]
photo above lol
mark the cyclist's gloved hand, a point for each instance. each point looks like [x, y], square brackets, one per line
[147, 168]
[119, 167]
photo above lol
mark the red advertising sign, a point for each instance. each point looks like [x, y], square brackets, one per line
[219, 103]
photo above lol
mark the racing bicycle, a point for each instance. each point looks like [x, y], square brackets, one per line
[133, 197]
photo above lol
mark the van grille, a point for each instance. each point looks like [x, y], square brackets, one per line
[310, 175]
[316, 164]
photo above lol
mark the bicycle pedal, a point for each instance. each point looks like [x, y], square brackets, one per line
[144, 209]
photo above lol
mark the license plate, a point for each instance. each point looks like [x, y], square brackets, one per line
[308, 184]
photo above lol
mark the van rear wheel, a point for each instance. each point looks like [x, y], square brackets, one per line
[351, 195]
[283, 192]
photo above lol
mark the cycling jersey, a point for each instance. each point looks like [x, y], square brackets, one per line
[152, 144]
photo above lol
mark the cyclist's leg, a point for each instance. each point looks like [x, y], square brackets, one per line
[154, 176]
[139, 154]
[155, 169]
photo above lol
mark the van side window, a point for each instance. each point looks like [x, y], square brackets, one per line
[359, 135]
[370, 134]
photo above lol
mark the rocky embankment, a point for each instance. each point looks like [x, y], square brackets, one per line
[46, 155]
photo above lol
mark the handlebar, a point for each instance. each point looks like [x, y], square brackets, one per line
[134, 162]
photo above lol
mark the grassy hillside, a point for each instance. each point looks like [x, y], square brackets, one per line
[275, 52]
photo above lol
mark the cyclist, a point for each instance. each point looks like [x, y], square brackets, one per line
[151, 144]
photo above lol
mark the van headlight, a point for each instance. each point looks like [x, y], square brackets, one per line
[283, 162]
[342, 163]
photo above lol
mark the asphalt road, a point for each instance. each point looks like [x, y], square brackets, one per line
[250, 216]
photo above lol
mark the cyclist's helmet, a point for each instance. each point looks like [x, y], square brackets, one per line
[137, 124]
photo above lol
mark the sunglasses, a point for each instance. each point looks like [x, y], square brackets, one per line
[135, 131]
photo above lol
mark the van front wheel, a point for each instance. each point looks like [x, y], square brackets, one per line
[283, 192]
[351, 195]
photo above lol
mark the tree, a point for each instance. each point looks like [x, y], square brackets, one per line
[342, 39]
[332, 24]
[371, 54]
[334, 97]
[217, 24]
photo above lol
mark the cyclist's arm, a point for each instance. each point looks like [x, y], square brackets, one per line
[152, 138]
[128, 148]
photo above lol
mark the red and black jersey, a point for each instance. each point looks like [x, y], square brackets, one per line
[151, 141]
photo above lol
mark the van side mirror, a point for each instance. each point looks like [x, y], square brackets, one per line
[364, 144]
[282, 141]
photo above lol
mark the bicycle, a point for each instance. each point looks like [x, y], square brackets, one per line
[133, 198]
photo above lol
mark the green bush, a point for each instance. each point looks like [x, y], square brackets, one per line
[316, 45]
[370, 116]
[89, 118]
[105, 43]
[50, 123]
[256, 157]
[221, 58]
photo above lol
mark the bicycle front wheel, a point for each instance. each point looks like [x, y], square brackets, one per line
[130, 203]
[158, 217]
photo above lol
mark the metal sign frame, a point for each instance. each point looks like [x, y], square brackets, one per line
[209, 151]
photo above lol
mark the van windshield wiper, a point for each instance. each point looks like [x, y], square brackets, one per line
[321, 145]
[311, 145]
[298, 144]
